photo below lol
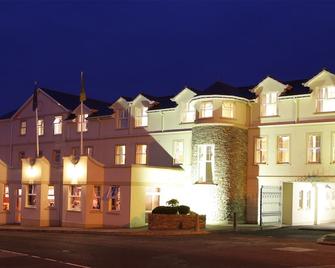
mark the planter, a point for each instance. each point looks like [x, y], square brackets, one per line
[174, 222]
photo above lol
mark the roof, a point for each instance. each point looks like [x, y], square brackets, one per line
[220, 88]
[164, 102]
[71, 102]
[297, 88]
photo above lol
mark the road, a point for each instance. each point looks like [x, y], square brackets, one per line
[274, 248]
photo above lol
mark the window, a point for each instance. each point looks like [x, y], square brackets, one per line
[269, 102]
[122, 118]
[283, 147]
[114, 195]
[89, 151]
[206, 109]
[141, 116]
[333, 147]
[228, 108]
[178, 152]
[260, 150]
[301, 200]
[56, 156]
[96, 202]
[152, 198]
[51, 196]
[141, 154]
[188, 113]
[23, 128]
[82, 121]
[40, 127]
[58, 125]
[205, 163]
[313, 150]
[309, 200]
[326, 100]
[74, 196]
[120, 154]
[5, 198]
[31, 195]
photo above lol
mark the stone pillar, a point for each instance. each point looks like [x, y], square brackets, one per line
[230, 166]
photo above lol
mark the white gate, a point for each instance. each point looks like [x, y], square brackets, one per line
[270, 205]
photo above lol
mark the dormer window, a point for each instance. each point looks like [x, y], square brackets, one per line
[326, 100]
[121, 118]
[269, 104]
[188, 113]
[82, 122]
[141, 116]
[206, 109]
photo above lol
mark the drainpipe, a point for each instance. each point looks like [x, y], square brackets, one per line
[296, 101]
[162, 121]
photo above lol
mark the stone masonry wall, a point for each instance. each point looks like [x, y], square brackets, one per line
[230, 168]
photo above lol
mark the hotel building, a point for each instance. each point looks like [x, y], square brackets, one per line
[265, 152]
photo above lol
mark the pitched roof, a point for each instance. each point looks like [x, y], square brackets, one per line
[220, 88]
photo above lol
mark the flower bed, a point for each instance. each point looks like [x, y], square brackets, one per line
[175, 222]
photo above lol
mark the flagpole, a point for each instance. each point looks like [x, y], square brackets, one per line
[35, 107]
[81, 128]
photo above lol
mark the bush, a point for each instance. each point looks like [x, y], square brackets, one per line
[172, 203]
[184, 210]
[165, 210]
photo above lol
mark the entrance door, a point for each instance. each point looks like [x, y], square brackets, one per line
[270, 205]
[18, 195]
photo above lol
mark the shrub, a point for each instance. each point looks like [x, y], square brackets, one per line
[184, 210]
[165, 210]
[172, 203]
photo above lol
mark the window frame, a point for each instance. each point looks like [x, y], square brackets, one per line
[23, 129]
[324, 97]
[232, 109]
[31, 191]
[85, 122]
[116, 205]
[260, 150]
[96, 195]
[200, 163]
[58, 125]
[51, 195]
[5, 198]
[40, 127]
[288, 149]
[140, 154]
[203, 109]
[122, 115]
[308, 154]
[141, 118]
[265, 104]
[120, 156]
[188, 113]
[73, 197]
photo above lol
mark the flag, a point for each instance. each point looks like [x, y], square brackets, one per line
[35, 100]
[82, 89]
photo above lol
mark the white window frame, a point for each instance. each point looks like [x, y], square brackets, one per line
[58, 125]
[281, 151]
[269, 104]
[96, 198]
[40, 127]
[122, 117]
[205, 158]
[141, 154]
[120, 154]
[187, 113]
[178, 152]
[326, 99]
[23, 128]
[313, 149]
[74, 198]
[206, 109]
[228, 109]
[31, 195]
[141, 116]
[85, 122]
[260, 150]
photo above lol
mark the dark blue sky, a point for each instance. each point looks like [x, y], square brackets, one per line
[158, 47]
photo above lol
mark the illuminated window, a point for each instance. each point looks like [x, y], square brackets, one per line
[56, 156]
[326, 99]
[187, 113]
[82, 121]
[309, 200]
[152, 198]
[122, 118]
[205, 163]
[74, 197]
[283, 149]
[31, 195]
[178, 152]
[5, 198]
[141, 116]
[261, 150]
[114, 196]
[51, 196]
[206, 109]
[228, 108]
[141, 154]
[96, 202]
[269, 104]
[120, 154]
[301, 200]
[58, 125]
[314, 149]
[23, 128]
[40, 127]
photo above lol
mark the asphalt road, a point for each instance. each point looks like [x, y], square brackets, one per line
[276, 248]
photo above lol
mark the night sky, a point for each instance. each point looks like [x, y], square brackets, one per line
[158, 47]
